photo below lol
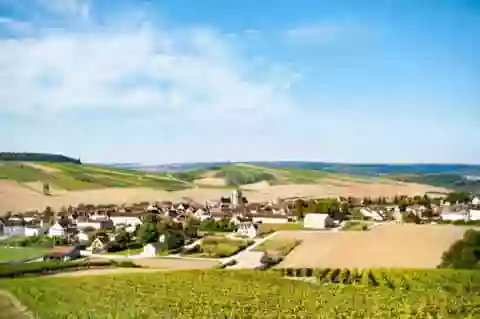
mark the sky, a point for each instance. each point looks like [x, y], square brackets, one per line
[152, 82]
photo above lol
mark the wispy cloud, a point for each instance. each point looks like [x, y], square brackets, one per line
[192, 73]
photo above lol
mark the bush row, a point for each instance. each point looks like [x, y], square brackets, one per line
[45, 267]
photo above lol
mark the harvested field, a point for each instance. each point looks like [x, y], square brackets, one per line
[16, 197]
[388, 245]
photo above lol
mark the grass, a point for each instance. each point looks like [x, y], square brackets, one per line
[20, 253]
[245, 294]
[278, 247]
[270, 228]
[356, 225]
[219, 247]
[126, 252]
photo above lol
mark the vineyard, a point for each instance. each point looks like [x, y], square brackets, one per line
[254, 294]
[403, 279]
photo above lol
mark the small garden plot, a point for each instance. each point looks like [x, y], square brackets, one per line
[270, 228]
[219, 247]
[356, 225]
[278, 247]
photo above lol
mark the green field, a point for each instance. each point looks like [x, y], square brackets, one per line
[73, 176]
[219, 247]
[20, 253]
[270, 228]
[247, 294]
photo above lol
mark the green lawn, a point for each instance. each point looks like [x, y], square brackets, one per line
[278, 247]
[246, 294]
[270, 228]
[20, 253]
[219, 247]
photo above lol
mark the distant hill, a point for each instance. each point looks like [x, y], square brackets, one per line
[37, 157]
[454, 176]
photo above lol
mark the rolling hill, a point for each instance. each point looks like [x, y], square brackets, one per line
[71, 183]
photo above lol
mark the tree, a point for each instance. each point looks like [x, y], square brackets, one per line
[190, 227]
[459, 197]
[299, 209]
[464, 253]
[49, 214]
[46, 189]
[122, 237]
[148, 232]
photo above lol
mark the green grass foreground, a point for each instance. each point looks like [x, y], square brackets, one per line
[20, 253]
[245, 294]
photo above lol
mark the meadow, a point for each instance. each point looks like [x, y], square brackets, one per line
[20, 253]
[247, 294]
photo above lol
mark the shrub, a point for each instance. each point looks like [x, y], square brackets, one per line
[464, 253]
[21, 269]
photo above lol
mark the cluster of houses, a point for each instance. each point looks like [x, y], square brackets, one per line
[77, 222]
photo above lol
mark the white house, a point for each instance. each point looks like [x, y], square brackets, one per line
[82, 237]
[371, 214]
[95, 223]
[130, 222]
[474, 214]
[152, 249]
[476, 201]
[454, 215]
[248, 229]
[317, 221]
[56, 230]
[13, 228]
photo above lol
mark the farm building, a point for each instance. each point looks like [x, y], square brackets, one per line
[248, 229]
[317, 221]
[63, 253]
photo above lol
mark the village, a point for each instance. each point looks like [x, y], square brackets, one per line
[146, 230]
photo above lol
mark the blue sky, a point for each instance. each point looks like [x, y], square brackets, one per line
[180, 81]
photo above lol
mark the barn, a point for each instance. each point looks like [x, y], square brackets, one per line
[317, 221]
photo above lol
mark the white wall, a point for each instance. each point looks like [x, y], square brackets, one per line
[316, 221]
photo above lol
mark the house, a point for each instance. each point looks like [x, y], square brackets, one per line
[35, 229]
[56, 230]
[99, 244]
[82, 237]
[13, 227]
[130, 222]
[63, 253]
[152, 249]
[237, 220]
[201, 214]
[317, 221]
[248, 229]
[476, 201]
[454, 215]
[104, 223]
[474, 214]
[371, 214]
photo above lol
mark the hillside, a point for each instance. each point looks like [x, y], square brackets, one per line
[22, 184]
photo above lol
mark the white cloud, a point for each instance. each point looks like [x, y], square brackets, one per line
[192, 73]
[314, 32]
